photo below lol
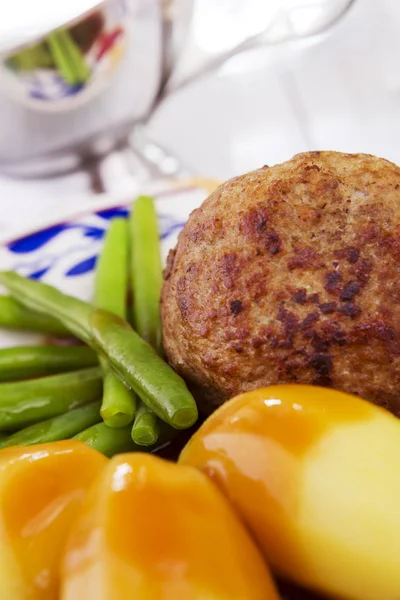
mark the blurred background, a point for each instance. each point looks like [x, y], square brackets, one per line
[253, 83]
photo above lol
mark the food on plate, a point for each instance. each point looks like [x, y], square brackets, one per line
[15, 316]
[164, 392]
[146, 427]
[128, 363]
[310, 472]
[152, 529]
[108, 440]
[41, 492]
[61, 427]
[119, 404]
[46, 299]
[146, 271]
[25, 362]
[286, 274]
[111, 277]
[146, 282]
[111, 290]
[313, 473]
[290, 274]
[24, 403]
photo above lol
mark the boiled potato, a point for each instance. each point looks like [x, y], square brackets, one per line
[41, 491]
[314, 473]
[153, 530]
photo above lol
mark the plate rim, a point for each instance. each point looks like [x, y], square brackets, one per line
[99, 202]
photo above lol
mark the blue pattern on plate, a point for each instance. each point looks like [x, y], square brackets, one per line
[65, 254]
[38, 243]
[97, 233]
[36, 240]
[85, 266]
[39, 274]
[172, 228]
[112, 213]
[33, 242]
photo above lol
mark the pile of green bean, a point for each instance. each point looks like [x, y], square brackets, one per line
[115, 393]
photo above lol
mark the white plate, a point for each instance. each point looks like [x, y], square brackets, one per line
[64, 254]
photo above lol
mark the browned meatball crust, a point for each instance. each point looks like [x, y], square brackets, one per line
[290, 274]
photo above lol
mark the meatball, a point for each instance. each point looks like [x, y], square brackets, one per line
[290, 274]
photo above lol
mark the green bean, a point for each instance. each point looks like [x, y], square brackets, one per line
[119, 403]
[111, 285]
[26, 362]
[146, 276]
[14, 315]
[160, 388]
[111, 281]
[145, 430]
[108, 441]
[62, 427]
[27, 402]
[68, 57]
[133, 360]
[146, 271]
[145, 426]
[35, 295]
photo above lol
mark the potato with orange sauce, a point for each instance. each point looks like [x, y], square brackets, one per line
[153, 530]
[314, 473]
[41, 492]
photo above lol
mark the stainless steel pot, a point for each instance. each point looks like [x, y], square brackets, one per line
[76, 94]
